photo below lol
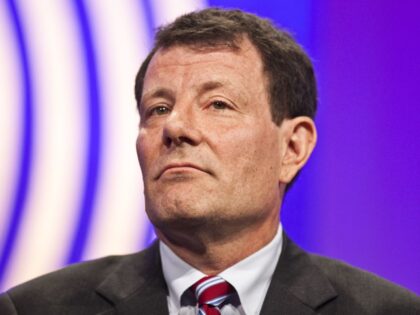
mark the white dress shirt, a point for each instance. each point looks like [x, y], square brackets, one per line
[250, 277]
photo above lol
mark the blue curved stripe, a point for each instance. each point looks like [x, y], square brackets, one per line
[94, 137]
[26, 143]
[150, 22]
[149, 234]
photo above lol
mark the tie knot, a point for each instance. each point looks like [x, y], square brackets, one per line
[212, 291]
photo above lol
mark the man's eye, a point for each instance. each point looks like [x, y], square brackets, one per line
[219, 105]
[159, 110]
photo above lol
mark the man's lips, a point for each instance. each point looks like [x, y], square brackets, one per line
[175, 166]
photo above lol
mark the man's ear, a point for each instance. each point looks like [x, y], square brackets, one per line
[298, 141]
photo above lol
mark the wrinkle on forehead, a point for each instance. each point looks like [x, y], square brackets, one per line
[243, 47]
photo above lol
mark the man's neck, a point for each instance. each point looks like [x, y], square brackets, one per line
[213, 255]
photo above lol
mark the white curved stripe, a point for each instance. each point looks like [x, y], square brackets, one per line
[120, 37]
[59, 139]
[219, 300]
[10, 117]
[166, 11]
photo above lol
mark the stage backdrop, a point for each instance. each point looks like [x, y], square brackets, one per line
[70, 185]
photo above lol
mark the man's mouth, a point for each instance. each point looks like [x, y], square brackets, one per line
[180, 167]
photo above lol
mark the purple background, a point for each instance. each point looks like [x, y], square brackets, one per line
[359, 198]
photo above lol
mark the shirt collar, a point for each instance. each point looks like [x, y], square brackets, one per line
[178, 274]
[251, 276]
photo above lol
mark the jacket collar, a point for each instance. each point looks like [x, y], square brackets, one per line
[137, 285]
[298, 286]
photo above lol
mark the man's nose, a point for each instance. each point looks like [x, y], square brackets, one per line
[181, 128]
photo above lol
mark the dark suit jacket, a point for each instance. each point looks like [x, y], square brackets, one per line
[134, 284]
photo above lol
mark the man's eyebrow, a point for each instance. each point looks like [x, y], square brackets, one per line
[159, 92]
[226, 86]
[209, 86]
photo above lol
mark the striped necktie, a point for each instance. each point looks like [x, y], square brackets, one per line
[211, 292]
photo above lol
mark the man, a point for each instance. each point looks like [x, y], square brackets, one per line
[226, 103]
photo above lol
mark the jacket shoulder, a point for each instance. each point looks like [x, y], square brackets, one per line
[370, 292]
[71, 290]
[83, 275]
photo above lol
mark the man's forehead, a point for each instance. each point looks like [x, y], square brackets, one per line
[242, 47]
[210, 67]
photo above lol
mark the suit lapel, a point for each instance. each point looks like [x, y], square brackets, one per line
[298, 286]
[137, 286]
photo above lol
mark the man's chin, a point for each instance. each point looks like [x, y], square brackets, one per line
[182, 223]
[175, 211]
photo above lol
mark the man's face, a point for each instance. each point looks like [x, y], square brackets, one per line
[207, 146]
